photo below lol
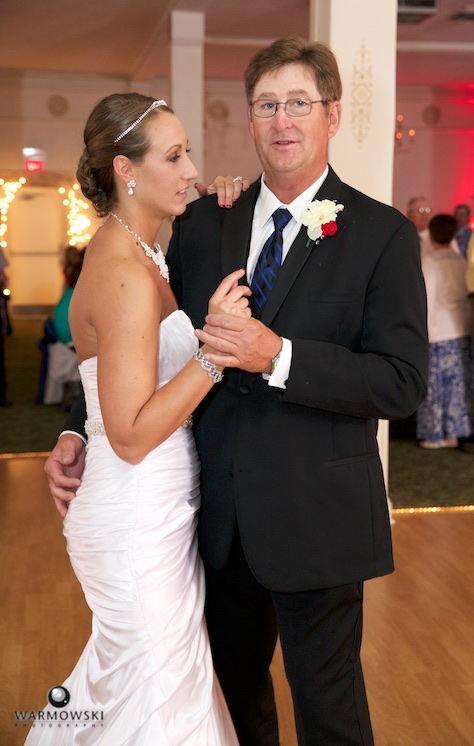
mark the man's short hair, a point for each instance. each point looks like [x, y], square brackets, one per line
[316, 56]
[414, 200]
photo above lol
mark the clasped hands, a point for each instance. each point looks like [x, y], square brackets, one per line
[235, 338]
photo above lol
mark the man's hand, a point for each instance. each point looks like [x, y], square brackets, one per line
[241, 342]
[64, 469]
[228, 189]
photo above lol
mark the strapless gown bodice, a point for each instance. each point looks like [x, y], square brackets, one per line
[131, 538]
[177, 344]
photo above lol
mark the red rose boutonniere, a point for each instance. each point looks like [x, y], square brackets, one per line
[320, 218]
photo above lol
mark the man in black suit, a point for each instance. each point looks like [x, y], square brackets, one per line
[294, 513]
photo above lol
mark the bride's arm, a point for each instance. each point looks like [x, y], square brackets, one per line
[126, 319]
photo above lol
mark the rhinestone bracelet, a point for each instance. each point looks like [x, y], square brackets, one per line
[209, 367]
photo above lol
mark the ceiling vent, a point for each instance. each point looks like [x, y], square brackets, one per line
[416, 11]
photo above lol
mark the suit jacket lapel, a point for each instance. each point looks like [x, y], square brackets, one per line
[236, 232]
[298, 255]
[237, 229]
[287, 274]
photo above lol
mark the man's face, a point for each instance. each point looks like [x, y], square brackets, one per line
[420, 214]
[293, 149]
[461, 217]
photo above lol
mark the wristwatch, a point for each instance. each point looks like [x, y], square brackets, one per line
[276, 360]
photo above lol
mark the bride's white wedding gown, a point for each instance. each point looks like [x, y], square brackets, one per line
[131, 537]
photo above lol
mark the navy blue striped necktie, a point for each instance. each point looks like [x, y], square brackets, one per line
[269, 261]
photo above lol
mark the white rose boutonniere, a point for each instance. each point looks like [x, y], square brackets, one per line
[320, 218]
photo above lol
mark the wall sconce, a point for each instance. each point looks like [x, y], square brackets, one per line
[402, 137]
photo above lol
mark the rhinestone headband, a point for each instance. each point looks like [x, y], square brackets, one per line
[154, 105]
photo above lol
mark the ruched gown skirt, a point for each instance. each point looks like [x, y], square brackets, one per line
[146, 671]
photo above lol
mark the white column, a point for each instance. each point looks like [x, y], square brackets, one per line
[187, 79]
[363, 36]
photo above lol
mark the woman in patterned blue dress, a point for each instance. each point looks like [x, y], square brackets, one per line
[447, 412]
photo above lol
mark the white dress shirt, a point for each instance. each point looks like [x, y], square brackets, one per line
[262, 228]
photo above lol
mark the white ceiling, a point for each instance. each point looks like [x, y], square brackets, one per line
[130, 38]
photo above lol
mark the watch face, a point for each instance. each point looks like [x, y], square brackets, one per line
[275, 361]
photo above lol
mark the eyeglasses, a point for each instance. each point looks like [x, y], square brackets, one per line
[423, 209]
[294, 107]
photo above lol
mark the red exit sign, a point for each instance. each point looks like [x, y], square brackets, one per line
[32, 166]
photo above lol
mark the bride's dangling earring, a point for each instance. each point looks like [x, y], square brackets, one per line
[131, 184]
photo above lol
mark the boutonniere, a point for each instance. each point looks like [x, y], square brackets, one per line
[320, 218]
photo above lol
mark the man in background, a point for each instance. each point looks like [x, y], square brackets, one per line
[419, 212]
[462, 214]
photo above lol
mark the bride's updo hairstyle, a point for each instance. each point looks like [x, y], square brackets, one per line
[114, 127]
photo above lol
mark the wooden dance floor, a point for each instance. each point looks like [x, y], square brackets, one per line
[418, 649]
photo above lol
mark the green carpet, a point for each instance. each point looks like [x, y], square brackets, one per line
[26, 426]
[421, 478]
[417, 477]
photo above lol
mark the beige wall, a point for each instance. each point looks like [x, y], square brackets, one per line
[37, 226]
[439, 163]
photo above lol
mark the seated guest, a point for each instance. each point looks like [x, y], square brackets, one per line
[59, 367]
[60, 318]
[71, 258]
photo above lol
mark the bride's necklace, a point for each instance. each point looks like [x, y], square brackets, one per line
[155, 253]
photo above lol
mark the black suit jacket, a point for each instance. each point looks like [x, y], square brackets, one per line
[299, 468]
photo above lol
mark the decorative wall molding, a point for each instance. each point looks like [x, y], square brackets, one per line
[361, 94]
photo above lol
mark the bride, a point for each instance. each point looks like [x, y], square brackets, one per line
[131, 530]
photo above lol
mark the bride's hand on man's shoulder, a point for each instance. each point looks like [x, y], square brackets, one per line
[227, 188]
[230, 298]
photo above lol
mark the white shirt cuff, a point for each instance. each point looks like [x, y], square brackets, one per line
[282, 371]
[73, 432]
